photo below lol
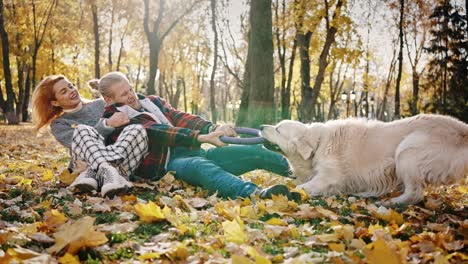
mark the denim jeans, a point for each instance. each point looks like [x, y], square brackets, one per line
[216, 169]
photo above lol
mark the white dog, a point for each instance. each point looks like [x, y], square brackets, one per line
[372, 158]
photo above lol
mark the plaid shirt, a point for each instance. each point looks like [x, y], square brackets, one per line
[186, 127]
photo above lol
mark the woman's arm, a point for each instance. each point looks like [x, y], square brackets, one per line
[62, 131]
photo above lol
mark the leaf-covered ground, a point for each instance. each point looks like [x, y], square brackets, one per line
[41, 221]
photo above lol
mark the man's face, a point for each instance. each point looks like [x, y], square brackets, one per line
[123, 93]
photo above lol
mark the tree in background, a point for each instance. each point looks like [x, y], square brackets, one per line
[7, 105]
[448, 68]
[400, 61]
[156, 35]
[259, 66]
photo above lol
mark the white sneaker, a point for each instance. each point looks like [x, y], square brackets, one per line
[86, 181]
[111, 181]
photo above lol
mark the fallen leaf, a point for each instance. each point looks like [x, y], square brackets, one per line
[149, 212]
[380, 252]
[47, 176]
[234, 231]
[77, 235]
[66, 177]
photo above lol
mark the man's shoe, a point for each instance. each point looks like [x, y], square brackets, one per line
[111, 181]
[86, 181]
[278, 189]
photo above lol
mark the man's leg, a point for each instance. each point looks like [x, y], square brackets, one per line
[204, 173]
[241, 159]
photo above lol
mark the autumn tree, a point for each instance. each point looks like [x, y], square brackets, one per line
[400, 61]
[448, 67]
[416, 35]
[259, 66]
[155, 33]
[8, 103]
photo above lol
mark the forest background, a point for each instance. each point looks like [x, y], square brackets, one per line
[304, 60]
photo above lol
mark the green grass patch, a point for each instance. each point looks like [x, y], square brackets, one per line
[146, 231]
[104, 218]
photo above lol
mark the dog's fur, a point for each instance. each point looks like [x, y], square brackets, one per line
[372, 158]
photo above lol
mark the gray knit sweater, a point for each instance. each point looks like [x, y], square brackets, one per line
[89, 114]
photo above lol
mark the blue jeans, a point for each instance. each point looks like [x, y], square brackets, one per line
[216, 169]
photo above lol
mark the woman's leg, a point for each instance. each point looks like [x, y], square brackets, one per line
[204, 173]
[127, 152]
[241, 159]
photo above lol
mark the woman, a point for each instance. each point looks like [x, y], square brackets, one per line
[77, 124]
[175, 137]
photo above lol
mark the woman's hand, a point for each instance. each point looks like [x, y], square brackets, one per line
[118, 119]
[212, 138]
[227, 129]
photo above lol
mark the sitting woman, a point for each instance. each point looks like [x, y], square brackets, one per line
[77, 124]
[174, 143]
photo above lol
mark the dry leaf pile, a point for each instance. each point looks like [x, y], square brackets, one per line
[41, 221]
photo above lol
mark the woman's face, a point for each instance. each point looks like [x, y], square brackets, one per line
[66, 95]
[123, 93]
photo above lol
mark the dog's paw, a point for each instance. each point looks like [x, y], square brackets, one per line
[306, 188]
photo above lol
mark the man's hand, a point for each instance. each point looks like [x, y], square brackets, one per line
[227, 129]
[118, 119]
[212, 138]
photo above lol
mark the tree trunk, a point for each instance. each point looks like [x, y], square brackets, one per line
[139, 69]
[19, 104]
[156, 38]
[27, 93]
[242, 118]
[8, 107]
[400, 63]
[214, 114]
[286, 97]
[261, 97]
[94, 10]
[109, 55]
[306, 107]
[323, 59]
[414, 100]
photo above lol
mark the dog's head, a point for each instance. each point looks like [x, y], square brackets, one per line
[293, 137]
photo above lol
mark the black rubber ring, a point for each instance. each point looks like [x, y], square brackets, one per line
[256, 139]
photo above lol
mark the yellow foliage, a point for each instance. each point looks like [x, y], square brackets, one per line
[234, 231]
[77, 235]
[149, 212]
[69, 259]
[379, 252]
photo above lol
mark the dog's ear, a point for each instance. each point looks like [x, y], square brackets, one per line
[303, 147]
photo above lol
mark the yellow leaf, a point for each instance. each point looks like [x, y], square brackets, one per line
[259, 259]
[69, 259]
[463, 189]
[25, 182]
[54, 218]
[66, 177]
[277, 221]
[149, 212]
[380, 252]
[388, 215]
[77, 235]
[149, 255]
[338, 247]
[234, 231]
[238, 259]
[48, 176]
[372, 228]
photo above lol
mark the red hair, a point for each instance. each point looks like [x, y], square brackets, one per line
[43, 111]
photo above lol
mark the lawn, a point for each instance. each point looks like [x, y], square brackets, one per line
[41, 221]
